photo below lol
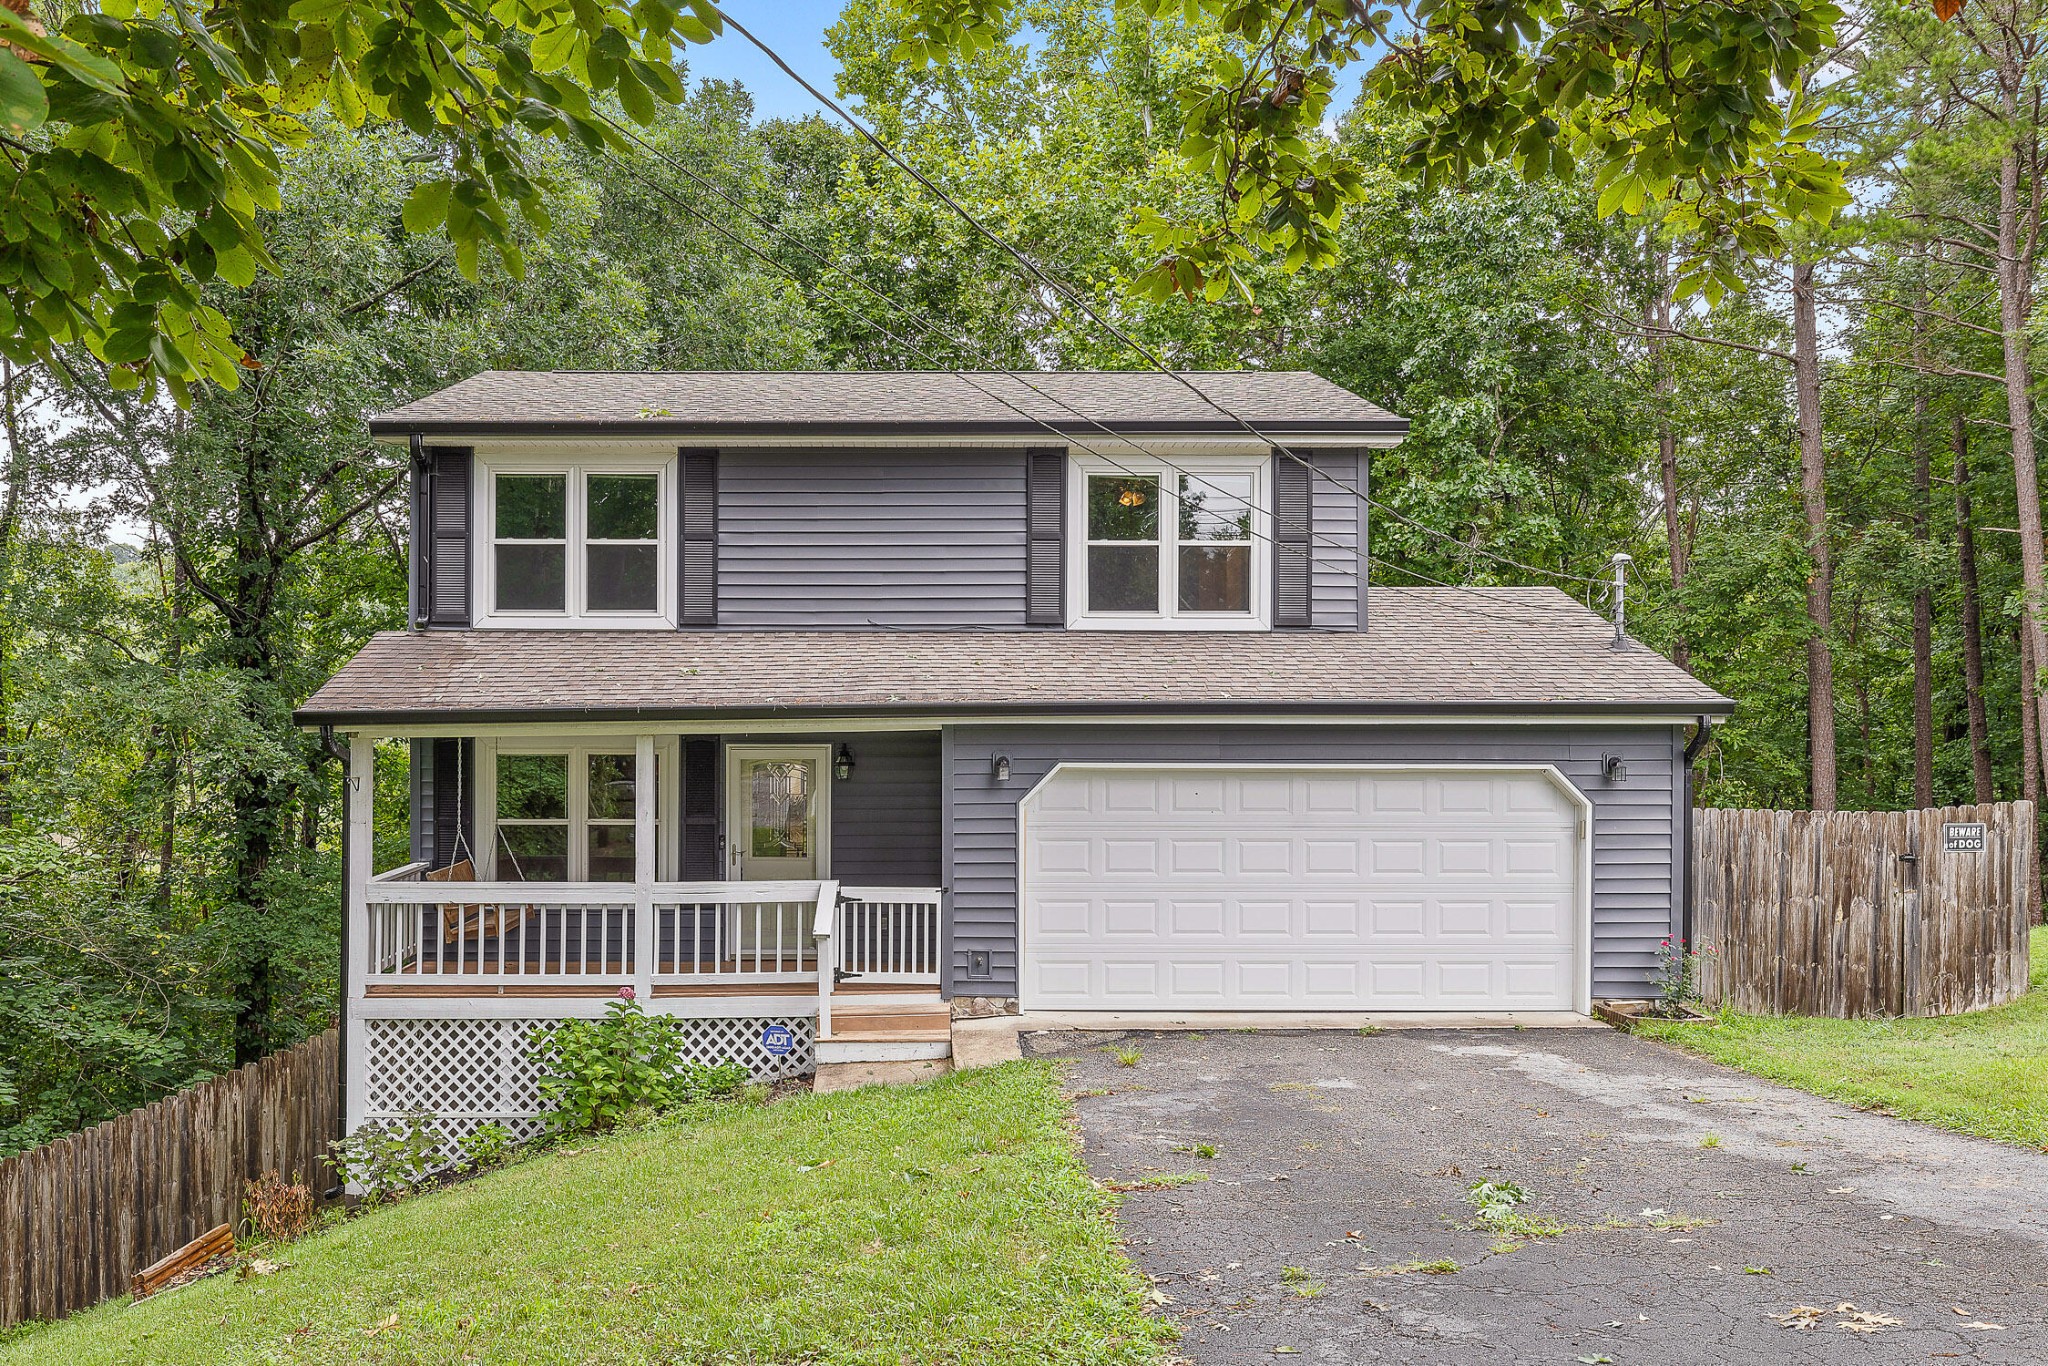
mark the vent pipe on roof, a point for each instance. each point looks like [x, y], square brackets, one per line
[1621, 560]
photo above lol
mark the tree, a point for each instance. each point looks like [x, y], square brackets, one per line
[1684, 104]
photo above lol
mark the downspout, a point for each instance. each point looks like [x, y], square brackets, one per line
[1702, 731]
[334, 749]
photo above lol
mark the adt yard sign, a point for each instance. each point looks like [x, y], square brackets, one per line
[1962, 837]
[781, 1039]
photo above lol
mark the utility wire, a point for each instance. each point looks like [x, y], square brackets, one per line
[926, 327]
[1065, 291]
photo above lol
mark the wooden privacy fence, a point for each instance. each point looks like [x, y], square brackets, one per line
[79, 1216]
[1863, 913]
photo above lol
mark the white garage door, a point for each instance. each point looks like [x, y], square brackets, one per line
[1304, 889]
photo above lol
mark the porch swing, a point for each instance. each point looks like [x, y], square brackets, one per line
[457, 919]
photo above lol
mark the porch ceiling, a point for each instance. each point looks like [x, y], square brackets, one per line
[1429, 651]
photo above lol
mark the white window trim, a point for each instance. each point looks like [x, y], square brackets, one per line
[484, 540]
[1169, 617]
[667, 760]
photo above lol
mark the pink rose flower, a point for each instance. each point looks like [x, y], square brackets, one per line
[625, 993]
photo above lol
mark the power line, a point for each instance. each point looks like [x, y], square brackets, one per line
[1067, 292]
[928, 326]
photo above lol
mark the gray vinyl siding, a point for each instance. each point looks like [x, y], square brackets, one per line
[1336, 571]
[885, 818]
[857, 538]
[1635, 892]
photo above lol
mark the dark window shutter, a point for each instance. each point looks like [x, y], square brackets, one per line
[448, 525]
[700, 810]
[1290, 540]
[453, 779]
[1045, 514]
[698, 557]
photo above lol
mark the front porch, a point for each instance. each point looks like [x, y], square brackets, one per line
[454, 960]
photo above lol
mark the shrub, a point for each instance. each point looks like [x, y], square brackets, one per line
[276, 1209]
[596, 1072]
[1676, 976]
[489, 1145]
[386, 1159]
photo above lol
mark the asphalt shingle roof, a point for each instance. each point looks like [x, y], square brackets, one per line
[1429, 650]
[508, 402]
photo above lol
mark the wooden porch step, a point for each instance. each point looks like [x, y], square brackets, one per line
[893, 1023]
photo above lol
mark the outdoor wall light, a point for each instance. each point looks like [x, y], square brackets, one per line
[842, 763]
[1001, 768]
[1615, 769]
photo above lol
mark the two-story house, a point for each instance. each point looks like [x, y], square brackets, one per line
[810, 705]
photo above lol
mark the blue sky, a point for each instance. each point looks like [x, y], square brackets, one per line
[794, 28]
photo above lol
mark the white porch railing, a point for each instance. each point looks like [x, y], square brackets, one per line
[730, 936]
[540, 933]
[889, 934]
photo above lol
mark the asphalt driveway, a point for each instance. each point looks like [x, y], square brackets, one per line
[1701, 1205]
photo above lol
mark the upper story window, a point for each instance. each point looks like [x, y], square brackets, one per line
[1179, 544]
[584, 545]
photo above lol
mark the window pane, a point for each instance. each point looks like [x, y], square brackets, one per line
[1123, 578]
[779, 810]
[1122, 508]
[1216, 507]
[1216, 578]
[611, 787]
[611, 853]
[530, 578]
[623, 507]
[533, 507]
[622, 578]
[533, 787]
[533, 853]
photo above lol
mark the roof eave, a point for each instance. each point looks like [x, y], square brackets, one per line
[1676, 712]
[396, 427]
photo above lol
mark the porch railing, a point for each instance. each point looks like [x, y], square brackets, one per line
[730, 935]
[888, 934]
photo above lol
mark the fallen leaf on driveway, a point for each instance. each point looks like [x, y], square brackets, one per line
[1841, 1190]
[1981, 1325]
[1856, 1320]
[1959, 1311]
[1287, 1351]
[1801, 1316]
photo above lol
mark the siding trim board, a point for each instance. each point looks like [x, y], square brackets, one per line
[1628, 873]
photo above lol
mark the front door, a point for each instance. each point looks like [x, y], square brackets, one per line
[778, 814]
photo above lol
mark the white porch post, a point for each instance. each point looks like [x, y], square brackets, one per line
[825, 951]
[645, 870]
[361, 792]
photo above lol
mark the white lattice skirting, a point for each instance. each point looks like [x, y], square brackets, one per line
[468, 1073]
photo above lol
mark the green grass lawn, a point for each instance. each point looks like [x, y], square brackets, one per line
[947, 1222]
[1984, 1074]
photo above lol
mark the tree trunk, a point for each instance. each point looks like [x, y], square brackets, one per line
[1667, 449]
[2030, 741]
[1923, 598]
[1973, 620]
[10, 531]
[2015, 301]
[1813, 495]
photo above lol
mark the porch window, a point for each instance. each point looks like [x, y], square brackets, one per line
[572, 545]
[1176, 544]
[567, 816]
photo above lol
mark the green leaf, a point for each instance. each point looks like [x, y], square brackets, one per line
[426, 208]
[23, 104]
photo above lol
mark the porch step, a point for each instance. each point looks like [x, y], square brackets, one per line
[926, 1022]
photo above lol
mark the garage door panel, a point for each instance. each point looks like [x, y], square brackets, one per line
[1265, 919]
[1227, 889]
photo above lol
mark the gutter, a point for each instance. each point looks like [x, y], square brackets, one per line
[1504, 712]
[397, 426]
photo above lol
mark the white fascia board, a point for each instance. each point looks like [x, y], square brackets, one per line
[454, 726]
[487, 446]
